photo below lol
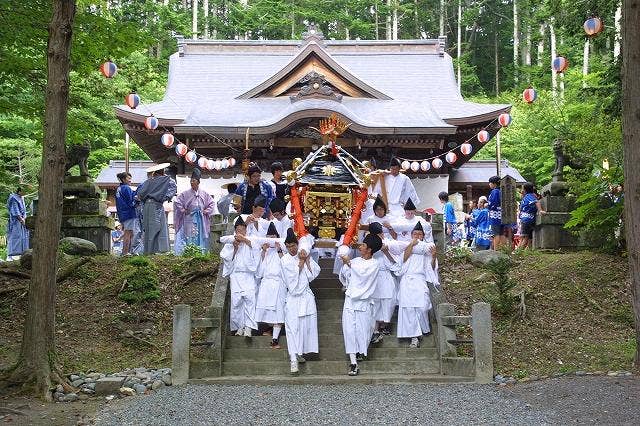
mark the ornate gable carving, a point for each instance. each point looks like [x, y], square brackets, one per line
[314, 85]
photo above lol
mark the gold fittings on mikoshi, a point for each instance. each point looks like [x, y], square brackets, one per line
[296, 162]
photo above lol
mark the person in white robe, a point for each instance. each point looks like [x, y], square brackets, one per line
[272, 291]
[358, 276]
[256, 224]
[240, 263]
[398, 188]
[280, 218]
[414, 301]
[301, 317]
[404, 226]
[380, 215]
[385, 295]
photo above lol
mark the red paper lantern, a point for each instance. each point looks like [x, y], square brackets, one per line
[151, 123]
[529, 95]
[167, 140]
[483, 136]
[593, 26]
[504, 119]
[436, 163]
[466, 148]
[560, 64]
[108, 69]
[203, 163]
[190, 157]
[181, 149]
[451, 157]
[132, 100]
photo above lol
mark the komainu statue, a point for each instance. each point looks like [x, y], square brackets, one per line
[78, 154]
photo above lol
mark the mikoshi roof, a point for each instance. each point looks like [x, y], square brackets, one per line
[381, 87]
[320, 167]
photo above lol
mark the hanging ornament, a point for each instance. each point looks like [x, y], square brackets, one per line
[593, 26]
[425, 166]
[181, 149]
[132, 100]
[225, 163]
[217, 164]
[436, 163]
[151, 123]
[504, 119]
[415, 166]
[529, 95]
[406, 165]
[232, 162]
[559, 64]
[209, 164]
[202, 162]
[108, 69]
[466, 148]
[483, 136]
[167, 140]
[190, 157]
[451, 157]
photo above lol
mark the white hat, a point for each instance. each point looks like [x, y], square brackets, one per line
[158, 167]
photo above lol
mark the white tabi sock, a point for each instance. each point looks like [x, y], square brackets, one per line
[276, 331]
[293, 358]
[352, 359]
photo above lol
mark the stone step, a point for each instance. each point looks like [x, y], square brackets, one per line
[329, 293]
[333, 342]
[268, 368]
[324, 303]
[364, 378]
[331, 282]
[335, 354]
[335, 315]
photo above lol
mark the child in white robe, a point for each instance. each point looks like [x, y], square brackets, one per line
[381, 216]
[358, 276]
[414, 301]
[301, 317]
[280, 219]
[272, 291]
[240, 262]
[404, 226]
[385, 294]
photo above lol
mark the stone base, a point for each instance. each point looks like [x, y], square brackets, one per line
[81, 189]
[100, 236]
[84, 206]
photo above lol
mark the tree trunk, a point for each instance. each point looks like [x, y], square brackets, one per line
[516, 40]
[496, 61]
[376, 19]
[585, 63]
[554, 76]
[347, 34]
[205, 8]
[526, 53]
[416, 21]
[395, 20]
[631, 136]
[443, 12]
[36, 362]
[616, 39]
[194, 20]
[459, 52]
[540, 46]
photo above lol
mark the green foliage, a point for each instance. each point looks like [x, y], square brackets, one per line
[502, 299]
[141, 281]
[194, 251]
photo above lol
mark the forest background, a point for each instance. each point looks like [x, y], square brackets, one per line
[500, 48]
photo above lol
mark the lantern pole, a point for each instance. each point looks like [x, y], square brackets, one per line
[126, 152]
[498, 165]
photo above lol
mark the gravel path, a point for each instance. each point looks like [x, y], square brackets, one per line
[578, 400]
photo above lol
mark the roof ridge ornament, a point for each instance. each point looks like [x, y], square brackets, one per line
[315, 84]
[313, 33]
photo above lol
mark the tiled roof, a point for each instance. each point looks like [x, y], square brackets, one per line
[479, 171]
[108, 175]
[207, 80]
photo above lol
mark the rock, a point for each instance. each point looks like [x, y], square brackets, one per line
[580, 373]
[127, 391]
[511, 381]
[109, 397]
[26, 259]
[599, 373]
[83, 396]
[158, 384]
[167, 379]
[143, 376]
[58, 396]
[108, 385]
[130, 381]
[77, 246]
[89, 380]
[74, 377]
[70, 397]
[612, 373]
[95, 376]
[87, 391]
[484, 257]
[77, 383]
[91, 386]
[60, 389]
[140, 388]
[534, 378]
[140, 370]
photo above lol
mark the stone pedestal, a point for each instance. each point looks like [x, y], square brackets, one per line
[84, 213]
[549, 232]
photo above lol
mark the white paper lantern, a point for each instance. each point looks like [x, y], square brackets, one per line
[210, 164]
[191, 157]
[232, 162]
[202, 162]
[217, 164]
[451, 157]
[415, 166]
[436, 163]
[225, 163]
[405, 165]
[425, 166]
[466, 148]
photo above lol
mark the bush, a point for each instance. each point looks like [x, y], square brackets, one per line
[141, 281]
[503, 301]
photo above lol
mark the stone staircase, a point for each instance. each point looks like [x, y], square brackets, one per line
[245, 360]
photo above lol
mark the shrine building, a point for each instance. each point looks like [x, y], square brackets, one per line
[400, 97]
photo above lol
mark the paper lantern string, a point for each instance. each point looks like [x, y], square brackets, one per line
[437, 162]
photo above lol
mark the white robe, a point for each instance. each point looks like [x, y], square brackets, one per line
[282, 226]
[399, 190]
[386, 285]
[357, 314]
[241, 270]
[272, 291]
[414, 301]
[301, 316]
[404, 226]
[382, 221]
